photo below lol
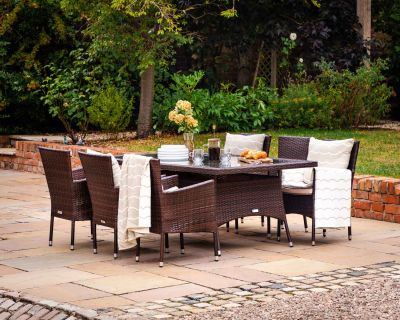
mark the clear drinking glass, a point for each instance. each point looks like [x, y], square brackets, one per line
[198, 157]
[225, 158]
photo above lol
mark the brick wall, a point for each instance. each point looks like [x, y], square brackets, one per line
[373, 197]
[27, 157]
[376, 198]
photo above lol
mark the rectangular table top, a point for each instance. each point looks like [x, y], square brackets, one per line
[237, 167]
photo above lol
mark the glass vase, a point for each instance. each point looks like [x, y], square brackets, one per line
[188, 138]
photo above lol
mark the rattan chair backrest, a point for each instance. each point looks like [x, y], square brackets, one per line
[58, 171]
[99, 176]
[292, 147]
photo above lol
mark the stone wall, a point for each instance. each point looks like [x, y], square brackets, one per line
[27, 156]
[373, 197]
[376, 198]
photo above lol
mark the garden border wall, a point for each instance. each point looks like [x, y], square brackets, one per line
[373, 197]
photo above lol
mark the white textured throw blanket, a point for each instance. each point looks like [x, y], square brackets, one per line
[134, 207]
[332, 197]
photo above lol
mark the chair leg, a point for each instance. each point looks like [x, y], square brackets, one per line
[115, 243]
[269, 227]
[166, 243]
[305, 224]
[288, 233]
[182, 243]
[349, 233]
[324, 233]
[313, 232]
[278, 230]
[51, 230]
[94, 232]
[219, 244]
[216, 246]
[137, 249]
[72, 247]
[91, 229]
[241, 220]
[262, 221]
[236, 226]
[227, 226]
[162, 246]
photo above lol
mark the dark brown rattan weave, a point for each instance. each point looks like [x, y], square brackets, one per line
[266, 146]
[189, 209]
[68, 190]
[297, 148]
[99, 175]
[243, 189]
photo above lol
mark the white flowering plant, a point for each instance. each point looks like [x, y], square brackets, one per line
[288, 44]
[182, 115]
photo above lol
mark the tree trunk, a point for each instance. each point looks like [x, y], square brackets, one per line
[146, 102]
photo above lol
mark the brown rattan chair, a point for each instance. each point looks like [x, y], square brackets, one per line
[68, 190]
[297, 148]
[186, 210]
[104, 195]
[266, 147]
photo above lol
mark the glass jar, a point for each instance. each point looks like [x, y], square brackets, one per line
[214, 149]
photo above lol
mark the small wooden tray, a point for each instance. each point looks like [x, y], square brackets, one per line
[264, 160]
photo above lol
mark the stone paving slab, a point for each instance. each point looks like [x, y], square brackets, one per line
[14, 305]
[252, 268]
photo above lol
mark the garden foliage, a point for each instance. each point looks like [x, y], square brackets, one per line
[61, 57]
[333, 100]
[110, 109]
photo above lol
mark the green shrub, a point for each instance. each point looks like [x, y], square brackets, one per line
[67, 92]
[333, 100]
[243, 110]
[110, 110]
[355, 98]
[301, 106]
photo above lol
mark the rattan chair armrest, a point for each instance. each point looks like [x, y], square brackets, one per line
[79, 181]
[81, 192]
[78, 174]
[191, 205]
[169, 181]
[205, 185]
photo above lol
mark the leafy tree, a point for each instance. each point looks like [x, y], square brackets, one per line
[32, 33]
[227, 48]
[67, 92]
[141, 32]
[386, 42]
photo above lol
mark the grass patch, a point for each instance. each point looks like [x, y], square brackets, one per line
[378, 155]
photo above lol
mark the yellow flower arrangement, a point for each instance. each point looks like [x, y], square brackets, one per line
[182, 115]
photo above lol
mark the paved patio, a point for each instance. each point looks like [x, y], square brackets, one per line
[251, 265]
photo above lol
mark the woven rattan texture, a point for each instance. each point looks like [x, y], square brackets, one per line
[190, 209]
[68, 190]
[104, 195]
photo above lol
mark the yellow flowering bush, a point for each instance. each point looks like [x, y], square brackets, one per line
[182, 115]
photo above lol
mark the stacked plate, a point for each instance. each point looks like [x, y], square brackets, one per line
[173, 152]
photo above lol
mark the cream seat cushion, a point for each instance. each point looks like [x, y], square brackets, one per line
[293, 182]
[298, 191]
[236, 143]
[116, 169]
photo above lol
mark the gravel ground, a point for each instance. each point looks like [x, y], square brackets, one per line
[377, 300]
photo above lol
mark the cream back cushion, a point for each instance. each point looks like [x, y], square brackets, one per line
[236, 143]
[331, 154]
[115, 166]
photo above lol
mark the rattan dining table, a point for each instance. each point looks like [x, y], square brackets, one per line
[242, 189]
